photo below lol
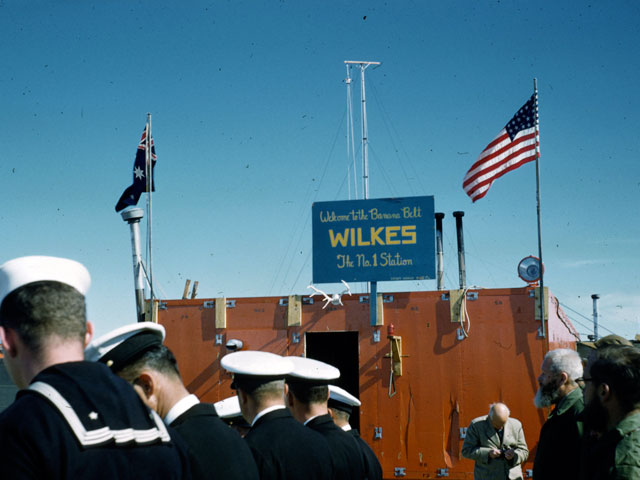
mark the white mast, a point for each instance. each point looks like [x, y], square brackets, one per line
[365, 163]
[149, 173]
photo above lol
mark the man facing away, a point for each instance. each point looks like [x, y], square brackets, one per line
[341, 405]
[558, 453]
[283, 449]
[612, 407]
[307, 399]
[496, 443]
[71, 419]
[135, 353]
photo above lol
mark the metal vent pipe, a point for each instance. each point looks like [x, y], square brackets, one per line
[439, 259]
[595, 298]
[132, 216]
[461, 266]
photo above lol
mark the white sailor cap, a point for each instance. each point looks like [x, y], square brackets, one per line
[24, 270]
[253, 368]
[308, 370]
[124, 345]
[340, 399]
[228, 408]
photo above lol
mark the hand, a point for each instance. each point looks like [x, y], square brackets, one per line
[509, 454]
[495, 453]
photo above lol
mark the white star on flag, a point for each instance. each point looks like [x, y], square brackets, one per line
[138, 172]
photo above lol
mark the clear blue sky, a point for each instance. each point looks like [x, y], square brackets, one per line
[248, 104]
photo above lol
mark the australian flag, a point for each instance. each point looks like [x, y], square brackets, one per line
[131, 195]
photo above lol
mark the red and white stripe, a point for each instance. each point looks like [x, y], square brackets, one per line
[499, 157]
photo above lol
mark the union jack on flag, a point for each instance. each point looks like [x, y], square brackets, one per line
[514, 146]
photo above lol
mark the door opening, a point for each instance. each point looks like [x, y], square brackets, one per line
[341, 350]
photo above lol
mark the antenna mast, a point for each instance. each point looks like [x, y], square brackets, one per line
[365, 163]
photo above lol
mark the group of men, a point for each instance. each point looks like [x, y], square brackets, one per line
[116, 407]
[593, 431]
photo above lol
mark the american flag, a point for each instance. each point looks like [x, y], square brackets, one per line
[514, 146]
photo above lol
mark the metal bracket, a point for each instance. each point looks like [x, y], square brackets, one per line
[162, 306]
[307, 300]
[219, 337]
[283, 302]
[377, 432]
[442, 472]
[231, 304]
[209, 304]
[376, 336]
[540, 335]
[528, 473]
[387, 299]
[470, 296]
[364, 299]
[400, 471]
[295, 337]
[463, 432]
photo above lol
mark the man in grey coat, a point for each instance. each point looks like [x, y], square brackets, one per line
[496, 443]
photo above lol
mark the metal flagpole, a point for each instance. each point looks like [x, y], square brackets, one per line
[149, 171]
[542, 299]
[373, 295]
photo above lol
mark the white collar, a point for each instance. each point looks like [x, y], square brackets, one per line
[179, 408]
[315, 416]
[346, 427]
[265, 411]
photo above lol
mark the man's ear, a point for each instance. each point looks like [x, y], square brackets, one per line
[8, 340]
[146, 384]
[89, 334]
[564, 378]
[604, 392]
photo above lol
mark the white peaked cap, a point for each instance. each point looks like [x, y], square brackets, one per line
[119, 347]
[254, 363]
[341, 395]
[313, 370]
[24, 270]
[228, 408]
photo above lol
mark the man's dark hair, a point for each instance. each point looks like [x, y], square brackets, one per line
[159, 358]
[40, 310]
[306, 393]
[619, 367]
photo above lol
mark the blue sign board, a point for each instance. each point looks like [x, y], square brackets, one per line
[374, 240]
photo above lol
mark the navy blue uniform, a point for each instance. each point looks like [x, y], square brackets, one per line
[373, 469]
[347, 456]
[78, 420]
[215, 449]
[284, 449]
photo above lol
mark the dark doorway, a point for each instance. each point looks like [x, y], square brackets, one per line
[341, 350]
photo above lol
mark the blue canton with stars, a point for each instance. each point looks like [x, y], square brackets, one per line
[523, 119]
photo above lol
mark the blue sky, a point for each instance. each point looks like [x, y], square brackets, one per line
[248, 102]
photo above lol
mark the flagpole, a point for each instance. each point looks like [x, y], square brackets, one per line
[542, 299]
[149, 173]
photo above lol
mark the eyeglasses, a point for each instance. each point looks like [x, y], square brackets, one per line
[584, 379]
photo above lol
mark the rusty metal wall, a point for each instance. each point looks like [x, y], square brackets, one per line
[413, 423]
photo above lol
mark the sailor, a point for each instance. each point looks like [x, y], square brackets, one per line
[341, 405]
[229, 412]
[135, 353]
[71, 419]
[282, 448]
[307, 399]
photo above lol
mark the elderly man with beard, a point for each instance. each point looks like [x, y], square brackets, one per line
[558, 451]
[612, 409]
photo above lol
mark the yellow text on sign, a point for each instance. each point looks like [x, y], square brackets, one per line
[391, 235]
